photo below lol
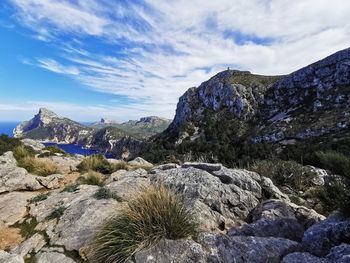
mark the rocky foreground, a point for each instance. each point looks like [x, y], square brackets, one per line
[243, 216]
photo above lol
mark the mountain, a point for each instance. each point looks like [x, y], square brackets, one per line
[123, 140]
[48, 126]
[238, 113]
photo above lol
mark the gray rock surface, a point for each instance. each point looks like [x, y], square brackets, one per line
[303, 257]
[13, 206]
[331, 232]
[35, 145]
[10, 258]
[29, 246]
[208, 167]
[340, 254]
[173, 251]
[53, 257]
[138, 161]
[14, 178]
[67, 164]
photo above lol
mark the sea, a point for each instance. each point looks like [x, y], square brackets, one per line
[7, 128]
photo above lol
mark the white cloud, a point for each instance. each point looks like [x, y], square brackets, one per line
[163, 40]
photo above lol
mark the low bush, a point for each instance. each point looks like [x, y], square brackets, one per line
[8, 144]
[71, 188]
[97, 163]
[54, 149]
[105, 193]
[21, 151]
[92, 178]
[39, 198]
[57, 213]
[154, 213]
[121, 165]
[337, 162]
[38, 166]
[285, 173]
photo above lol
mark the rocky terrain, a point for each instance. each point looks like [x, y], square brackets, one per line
[312, 102]
[242, 216]
[124, 140]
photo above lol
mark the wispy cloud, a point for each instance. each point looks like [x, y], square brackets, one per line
[158, 49]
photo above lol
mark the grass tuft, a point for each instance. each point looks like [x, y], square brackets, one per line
[154, 213]
[70, 188]
[92, 178]
[39, 198]
[97, 163]
[57, 213]
[38, 166]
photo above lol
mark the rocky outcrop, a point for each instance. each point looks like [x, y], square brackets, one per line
[311, 102]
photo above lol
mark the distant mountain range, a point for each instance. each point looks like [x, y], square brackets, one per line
[123, 140]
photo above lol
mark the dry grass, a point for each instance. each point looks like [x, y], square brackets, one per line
[153, 214]
[92, 178]
[97, 163]
[42, 167]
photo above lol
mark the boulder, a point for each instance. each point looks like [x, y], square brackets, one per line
[35, 145]
[164, 167]
[13, 178]
[321, 237]
[138, 161]
[53, 257]
[13, 206]
[207, 194]
[10, 258]
[288, 228]
[270, 191]
[340, 254]
[226, 248]
[299, 257]
[67, 164]
[208, 167]
[31, 245]
[175, 251]
[52, 181]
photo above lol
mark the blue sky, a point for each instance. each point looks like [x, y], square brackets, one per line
[87, 59]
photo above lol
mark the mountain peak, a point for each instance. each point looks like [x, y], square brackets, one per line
[46, 112]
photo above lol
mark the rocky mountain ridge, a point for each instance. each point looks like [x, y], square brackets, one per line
[240, 109]
[122, 140]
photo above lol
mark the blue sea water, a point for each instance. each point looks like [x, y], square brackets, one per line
[73, 149]
[7, 128]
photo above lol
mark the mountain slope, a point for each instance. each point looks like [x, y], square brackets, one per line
[238, 115]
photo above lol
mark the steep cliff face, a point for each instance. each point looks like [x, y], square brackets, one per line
[48, 126]
[312, 101]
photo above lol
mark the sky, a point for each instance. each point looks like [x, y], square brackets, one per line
[119, 59]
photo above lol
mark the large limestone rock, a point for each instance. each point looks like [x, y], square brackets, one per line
[10, 258]
[138, 161]
[67, 164]
[53, 257]
[14, 178]
[225, 248]
[31, 245]
[174, 251]
[35, 145]
[299, 257]
[340, 254]
[321, 237]
[212, 200]
[13, 206]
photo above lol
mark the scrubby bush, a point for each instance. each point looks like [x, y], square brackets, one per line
[105, 193]
[97, 163]
[39, 198]
[71, 188]
[8, 144]
[337, 162]
[92, 178]
[285, 173]
[37, 166]
[51, 151]
[21, 151]
[121, 165]
[153, 214]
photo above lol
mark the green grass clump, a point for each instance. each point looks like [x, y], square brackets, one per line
[57, 213]
[70, 188]
[154, 213]
[121, 165]
[105, 193]
[97, 163]
[285, 173]
[92, 178]
[39, 198]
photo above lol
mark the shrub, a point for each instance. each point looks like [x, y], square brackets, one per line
[54, 149]
[57, 213]
[97, 163]
[21, 151]
[337, 162]
[154, 213]
[70, 188]
[37, 166]
[92, 178]
[121, 165]
[285, 173]
[105, 193]
[8, 144]
[39, 198]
